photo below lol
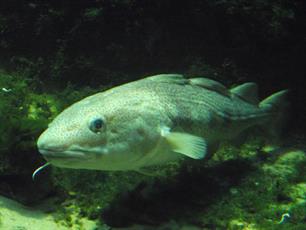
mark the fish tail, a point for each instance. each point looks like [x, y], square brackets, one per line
[276, 105]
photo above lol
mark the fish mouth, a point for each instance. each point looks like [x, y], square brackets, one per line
[51, 155]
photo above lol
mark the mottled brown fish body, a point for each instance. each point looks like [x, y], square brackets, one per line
[153, 121]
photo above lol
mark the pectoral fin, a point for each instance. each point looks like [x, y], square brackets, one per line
[187, 144]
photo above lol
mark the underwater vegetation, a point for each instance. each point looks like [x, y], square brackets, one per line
[24, 114]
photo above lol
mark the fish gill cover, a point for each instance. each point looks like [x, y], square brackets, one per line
[54, 53]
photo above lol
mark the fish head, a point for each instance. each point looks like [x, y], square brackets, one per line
[94, 134]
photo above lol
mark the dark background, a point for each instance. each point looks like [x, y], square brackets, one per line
[109, 42]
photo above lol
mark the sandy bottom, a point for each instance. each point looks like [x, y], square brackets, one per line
[15, 216]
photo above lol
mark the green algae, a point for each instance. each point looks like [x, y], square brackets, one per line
[26, 115]
[264, 196]
[26, 111]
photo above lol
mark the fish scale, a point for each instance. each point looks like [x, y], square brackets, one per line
[225, 107]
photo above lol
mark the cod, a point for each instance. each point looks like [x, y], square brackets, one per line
[153, 121]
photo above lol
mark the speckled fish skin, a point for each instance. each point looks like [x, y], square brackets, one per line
[146, 123]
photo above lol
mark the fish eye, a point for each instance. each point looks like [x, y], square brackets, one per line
[96, 125]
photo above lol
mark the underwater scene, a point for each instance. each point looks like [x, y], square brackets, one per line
[144, 115]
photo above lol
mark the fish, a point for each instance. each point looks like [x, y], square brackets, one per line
[154, 121]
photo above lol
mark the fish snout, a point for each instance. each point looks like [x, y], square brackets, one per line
[47, 145]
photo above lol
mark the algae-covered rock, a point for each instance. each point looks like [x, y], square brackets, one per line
[287, 166]
[272, 196]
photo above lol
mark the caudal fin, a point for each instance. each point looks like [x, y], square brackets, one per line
[276, 105]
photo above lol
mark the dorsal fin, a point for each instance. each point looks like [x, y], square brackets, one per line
[247, 92]
[168, 78]
[201, 82]
[209, 84]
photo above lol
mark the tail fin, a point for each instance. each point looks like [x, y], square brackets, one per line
[276, 105]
